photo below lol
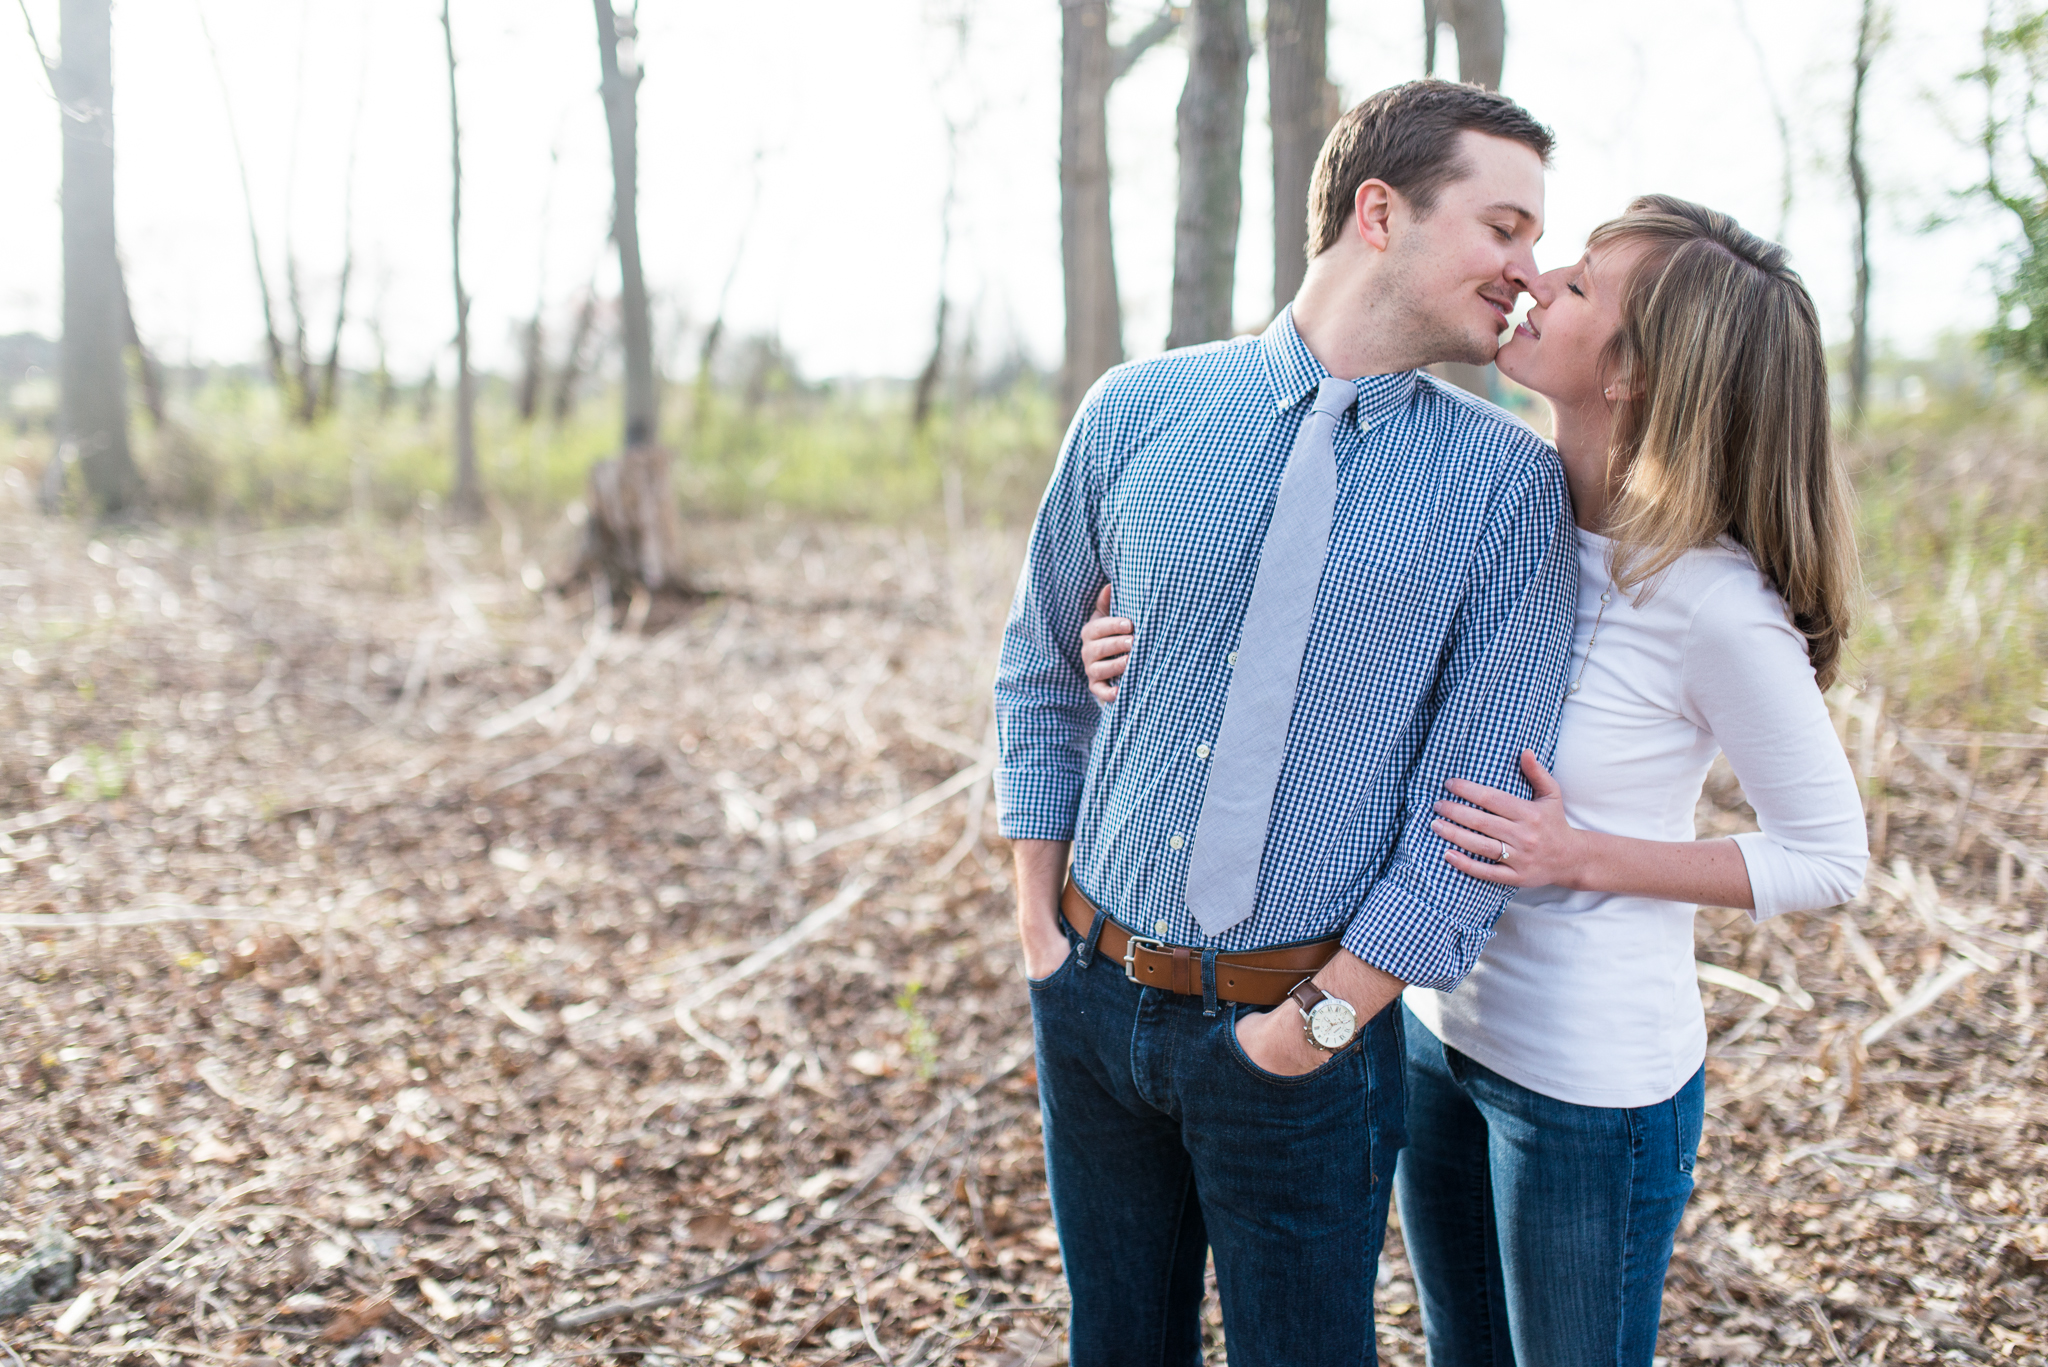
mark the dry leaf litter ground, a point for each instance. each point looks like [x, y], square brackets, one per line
[401, 967]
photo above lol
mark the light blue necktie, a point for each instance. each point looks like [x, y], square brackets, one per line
[1244, 768]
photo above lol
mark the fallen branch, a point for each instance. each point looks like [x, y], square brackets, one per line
[564, 688]
[895, 816]
[1738, 982]
[49, 816]
[153, 917]
[535, 767]
[1918, 1000]
[844, 900]
[184, 1236]
[842, 1209]
[1860, 949]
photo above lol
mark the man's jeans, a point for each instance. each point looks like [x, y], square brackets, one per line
[1539, 1230]
[1162, 1139]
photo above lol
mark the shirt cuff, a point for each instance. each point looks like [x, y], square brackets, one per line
[1782, 880]
[1038, 804]
[1400, 933]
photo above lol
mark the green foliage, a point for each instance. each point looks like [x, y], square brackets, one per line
[919, 1041]
[2012, 78]
[231, 452]
[96, 775]
[1955, 561]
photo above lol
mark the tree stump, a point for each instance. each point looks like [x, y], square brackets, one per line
[634, 537]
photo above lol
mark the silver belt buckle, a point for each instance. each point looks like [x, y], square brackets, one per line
[1131, 954]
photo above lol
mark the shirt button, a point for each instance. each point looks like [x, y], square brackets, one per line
[1176, 842]
[1201, 752]
[1233, 657]
[1159, 929]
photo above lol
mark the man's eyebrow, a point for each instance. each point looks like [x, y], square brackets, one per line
[1510, 206]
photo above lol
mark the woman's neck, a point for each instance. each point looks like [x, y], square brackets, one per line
[1584, 434]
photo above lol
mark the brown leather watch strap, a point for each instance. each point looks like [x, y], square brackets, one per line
[1261, 977]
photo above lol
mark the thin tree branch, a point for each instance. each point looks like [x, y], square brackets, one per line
[49, 67]
[1144, 40]
[274, 344]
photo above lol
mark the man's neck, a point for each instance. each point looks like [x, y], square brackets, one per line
[1353, 324]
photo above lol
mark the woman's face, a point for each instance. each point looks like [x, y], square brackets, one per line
[1556, 350]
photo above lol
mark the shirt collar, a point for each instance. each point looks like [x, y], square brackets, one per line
[1295, 373]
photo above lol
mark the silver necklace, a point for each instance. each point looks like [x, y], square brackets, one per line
[1592, 641]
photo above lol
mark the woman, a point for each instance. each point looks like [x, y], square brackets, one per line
[1555, 1097]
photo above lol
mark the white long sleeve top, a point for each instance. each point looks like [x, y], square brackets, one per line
[1591, 997]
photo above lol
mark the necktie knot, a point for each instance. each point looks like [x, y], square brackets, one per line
[1333, 396]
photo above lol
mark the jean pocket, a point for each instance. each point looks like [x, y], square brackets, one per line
[1315, 1074]
[1073, 942]
[1688, 1120]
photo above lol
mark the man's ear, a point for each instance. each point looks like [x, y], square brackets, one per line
[1372, 211]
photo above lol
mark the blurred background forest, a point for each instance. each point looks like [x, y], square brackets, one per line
[505, 511]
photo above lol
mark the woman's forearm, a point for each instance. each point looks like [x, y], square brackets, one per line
[1711, 872]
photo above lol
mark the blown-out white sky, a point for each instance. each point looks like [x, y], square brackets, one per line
[805, 143]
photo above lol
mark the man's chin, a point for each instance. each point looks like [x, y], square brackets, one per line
[1477, 351]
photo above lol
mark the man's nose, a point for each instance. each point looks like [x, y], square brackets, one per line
[1522, 273]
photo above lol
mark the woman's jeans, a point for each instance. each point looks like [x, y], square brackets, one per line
[1162, 1140]
[1539, 1230]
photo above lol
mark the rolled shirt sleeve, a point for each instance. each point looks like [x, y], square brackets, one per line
[1749, 682]
[1045, 716]
[1500, 693]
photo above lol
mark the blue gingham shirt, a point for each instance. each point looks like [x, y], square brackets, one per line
[1439, 647]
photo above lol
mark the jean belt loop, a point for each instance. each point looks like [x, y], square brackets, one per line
[1087, 949]
[1209, 1006]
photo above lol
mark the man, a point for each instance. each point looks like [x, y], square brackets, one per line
[1354, 582]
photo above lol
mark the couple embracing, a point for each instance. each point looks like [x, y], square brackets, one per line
[1390, 681]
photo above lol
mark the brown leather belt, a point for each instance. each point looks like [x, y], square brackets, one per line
[1260, 977]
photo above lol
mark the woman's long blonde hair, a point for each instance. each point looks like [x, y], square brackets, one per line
[1726, 431]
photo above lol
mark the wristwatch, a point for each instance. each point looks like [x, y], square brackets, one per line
[1328, 1022]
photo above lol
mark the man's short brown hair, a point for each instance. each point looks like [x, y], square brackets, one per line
[1407, 136]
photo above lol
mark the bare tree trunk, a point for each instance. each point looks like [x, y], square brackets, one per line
[620, 89]
[304, 392]
[1089, 66]
[533, 361]
[330, 370]
[928, 378]
[273, 344]
[92, 374]
[1211, 119]
[1303, 109]
[1870, 37]
[145, 360]
[1095, 326]
[1481, 29]
[467, 503]
[575, 358]
[633, 536]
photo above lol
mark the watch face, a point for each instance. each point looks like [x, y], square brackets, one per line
[1332, 1023]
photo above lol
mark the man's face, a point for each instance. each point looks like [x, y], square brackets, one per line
[1460, 268]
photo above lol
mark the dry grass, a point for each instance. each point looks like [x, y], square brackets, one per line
[436, 1058]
